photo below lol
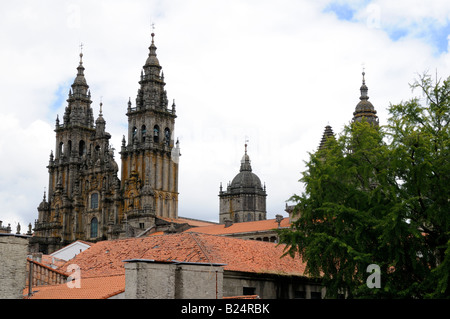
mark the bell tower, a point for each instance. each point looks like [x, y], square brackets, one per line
[244, 198]
[83, 187]
[149, 155]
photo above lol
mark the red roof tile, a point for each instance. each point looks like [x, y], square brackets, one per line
[90, 288]
[190, 221]
[103, 271]
[238, 228]
[106, 257]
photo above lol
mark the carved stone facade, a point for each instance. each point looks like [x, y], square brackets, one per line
[86, 199]
[149, 159]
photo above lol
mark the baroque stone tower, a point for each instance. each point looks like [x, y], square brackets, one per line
[150, 158]
[245, 197]
[83, 188]
[86, 199]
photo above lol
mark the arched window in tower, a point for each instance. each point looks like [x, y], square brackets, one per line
[249, 217]
[144, 133]
[94, 201]
[156, 134]
[82, 148]
[61, 149]
[134, 134]
[94, 228]
[69, 148]
[236, 218]
[167, 136]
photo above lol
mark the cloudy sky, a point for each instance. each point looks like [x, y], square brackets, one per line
[274, 73]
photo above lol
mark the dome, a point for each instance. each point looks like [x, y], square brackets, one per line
[365, 106]
[246, 179]
[44, 205]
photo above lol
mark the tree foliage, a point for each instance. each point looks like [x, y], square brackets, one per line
[380, 195]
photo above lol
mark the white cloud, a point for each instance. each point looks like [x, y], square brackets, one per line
[276, 72]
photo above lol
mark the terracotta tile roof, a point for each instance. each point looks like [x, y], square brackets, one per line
[190, 221]
[102, 266]
[52, 262]
[90, 288]
[106, 257]
[244, 227]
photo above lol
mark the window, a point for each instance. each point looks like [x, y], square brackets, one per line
[94, 228]
[82, 148]
[249, 291]
[156, 134]
[167, 136]
[144, 132]
[94, 201]
[249, 217]
[134, 133]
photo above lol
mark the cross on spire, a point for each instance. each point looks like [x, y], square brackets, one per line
[246, 141]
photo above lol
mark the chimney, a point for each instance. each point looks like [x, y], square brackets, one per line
[228, 222]
[278, 219]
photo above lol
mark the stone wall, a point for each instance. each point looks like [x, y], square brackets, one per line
[149, 279]
[13, 265]
[271, 286]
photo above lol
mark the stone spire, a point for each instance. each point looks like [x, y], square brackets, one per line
[365, 109]
[152, 59]
[100, 123]
[80, 80]
[151, 94]
[79, 111]
[245, 162]
[328, 133]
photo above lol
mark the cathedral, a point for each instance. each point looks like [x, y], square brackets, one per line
[86, 199]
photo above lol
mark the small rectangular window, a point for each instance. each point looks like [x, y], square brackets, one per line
[249, 291]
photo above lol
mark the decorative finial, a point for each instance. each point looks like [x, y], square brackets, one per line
[153, 33]
[364, 73]
[81, 53]
[246, 141]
